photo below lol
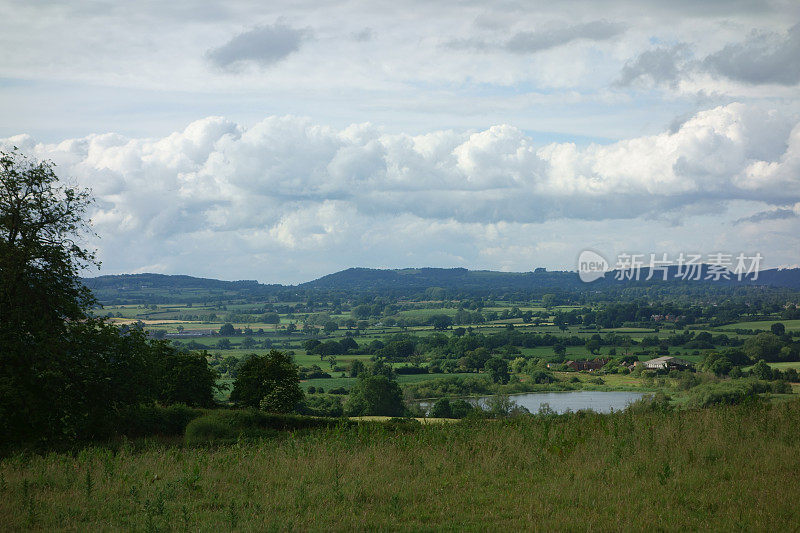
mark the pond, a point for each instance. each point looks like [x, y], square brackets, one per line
[561, 402]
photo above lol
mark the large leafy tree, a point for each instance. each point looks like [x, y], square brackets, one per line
[184, 377]
[498, 369]
[375, 395]
[765, 345]
[41, 222]
[63, 373]
[271, 382]
[41, 298]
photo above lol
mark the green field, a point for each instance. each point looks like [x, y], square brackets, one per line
[725, 469]
[165, 318]
[791, 325]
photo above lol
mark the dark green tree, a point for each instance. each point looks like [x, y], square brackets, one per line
[559, 350]
[778, 329]
[460, 408]
[356, 368]
[63, 373]
[348, 343]
[42, 303]
[762, 370]
[441, 322]
[766, 345]
[593, 346]
[441, 409]
[498, 370]
[375, 395]
[271, 318]
[310, 344]
[271, 382]
[185, 378]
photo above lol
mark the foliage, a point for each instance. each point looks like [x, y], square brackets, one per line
[762, 370]
[441, 322]
[765, 345]
[441, 409]
[271, 382]
[375, 395]
[322, 405]
[225, 426]
[498, 370]
[42, 303]
[727, 392]
[185, 377]
[149, 420]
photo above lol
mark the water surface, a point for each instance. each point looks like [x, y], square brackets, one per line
[561, 402]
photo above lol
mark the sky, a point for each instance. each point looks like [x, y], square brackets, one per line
[282, 141]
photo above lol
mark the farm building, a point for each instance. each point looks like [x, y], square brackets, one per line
[596, 364]
[667, 363]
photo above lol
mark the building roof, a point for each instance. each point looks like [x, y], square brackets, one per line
[666, 359]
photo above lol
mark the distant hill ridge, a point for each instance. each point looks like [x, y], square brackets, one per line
[418, 278]
[164, 281]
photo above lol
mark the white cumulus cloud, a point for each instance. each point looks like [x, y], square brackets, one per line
[287, 199]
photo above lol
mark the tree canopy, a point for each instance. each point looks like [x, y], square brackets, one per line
[65, 374]
[271, 382]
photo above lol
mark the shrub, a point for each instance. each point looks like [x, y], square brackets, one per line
[781, 387]
[412, 369]
[727, 392]
[231, 425]
[460, 408]
[441, 409]
[541, 376]
[375, 395]
[209, 429]
[156, 420]
[320, 405]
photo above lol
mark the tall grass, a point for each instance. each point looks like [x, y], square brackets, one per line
[723, 468]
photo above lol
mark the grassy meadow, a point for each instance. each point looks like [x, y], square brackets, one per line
[727, 468]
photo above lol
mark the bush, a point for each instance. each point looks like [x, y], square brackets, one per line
[156, 420]
[541, 376]
[413, 369]
[727, 392]
[660, 402]
[209, 429]
[441, 409]
[375, 395]
[460, 408]
[402, 425]
[781, 387]
[231, 425]
[320, 405]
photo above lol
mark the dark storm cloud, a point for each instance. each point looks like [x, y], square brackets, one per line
[263, 46]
